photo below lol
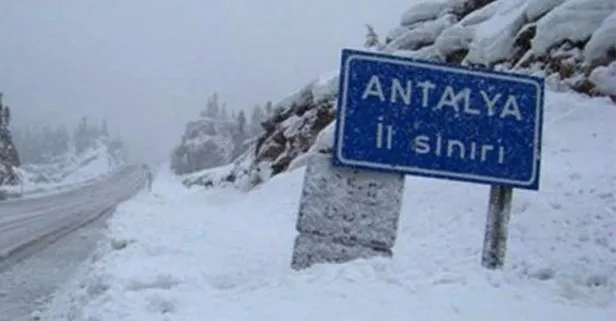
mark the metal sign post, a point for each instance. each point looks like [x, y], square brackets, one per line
[497, 223]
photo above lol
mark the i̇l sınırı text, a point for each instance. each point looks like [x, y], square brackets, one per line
[495, 106]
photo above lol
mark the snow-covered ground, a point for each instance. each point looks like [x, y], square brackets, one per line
[221, 254]
[66, 173]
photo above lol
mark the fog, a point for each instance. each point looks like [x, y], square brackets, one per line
[149, 65]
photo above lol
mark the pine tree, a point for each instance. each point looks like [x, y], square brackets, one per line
[8, 152]
[212, 107]
[241, 123]
[80, 137]
[256, 118]
[372, 39]
[62, 140]
[269, 109]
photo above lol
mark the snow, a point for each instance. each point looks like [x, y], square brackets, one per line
[395, 33]
[428, 10]
[425, 53]
[602, 40]
[221, 254]
[325, 139]
[478, 16]
[488, 33]
[605, 79]
[494, 38]
[575, 20]
[537, 8]
[292, 125]
[326, 86]
[455, 38]
[98, 166]
[68, 172]
[430, 29]
[424, 34]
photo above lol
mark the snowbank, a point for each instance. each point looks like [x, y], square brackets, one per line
[605, 79]
[219, 254]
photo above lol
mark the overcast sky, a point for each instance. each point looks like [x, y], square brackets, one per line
[148, 65]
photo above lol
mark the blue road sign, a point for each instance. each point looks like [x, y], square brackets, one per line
[422, 118]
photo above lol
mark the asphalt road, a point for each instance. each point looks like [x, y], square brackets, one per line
[23, 223]
[34, 230]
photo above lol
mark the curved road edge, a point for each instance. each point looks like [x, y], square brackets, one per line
[87, 204]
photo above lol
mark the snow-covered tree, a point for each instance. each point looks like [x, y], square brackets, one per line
[9, 157]
[241, 123]
[372, 39]
[269, 109]
[81, 136]
[62, 141]
[212, 107]
[256, 118]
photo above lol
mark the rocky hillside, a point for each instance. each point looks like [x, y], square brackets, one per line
[217, 137]
[570, 42]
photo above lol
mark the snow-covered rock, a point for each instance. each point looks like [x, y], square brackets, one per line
[537, 8]
[425, 33]
[494, 38]
[574, 20]
[429, 10]
[603, 41]
[605, 79]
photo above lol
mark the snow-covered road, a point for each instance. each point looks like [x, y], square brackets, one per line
[43, 240]
[30, 223]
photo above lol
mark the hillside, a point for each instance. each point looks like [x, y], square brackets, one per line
[68, 170]
[570, 42]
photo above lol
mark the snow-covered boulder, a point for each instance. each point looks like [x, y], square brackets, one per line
[573, 20]
[602, 44]
[604, 78]
[564, 38]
